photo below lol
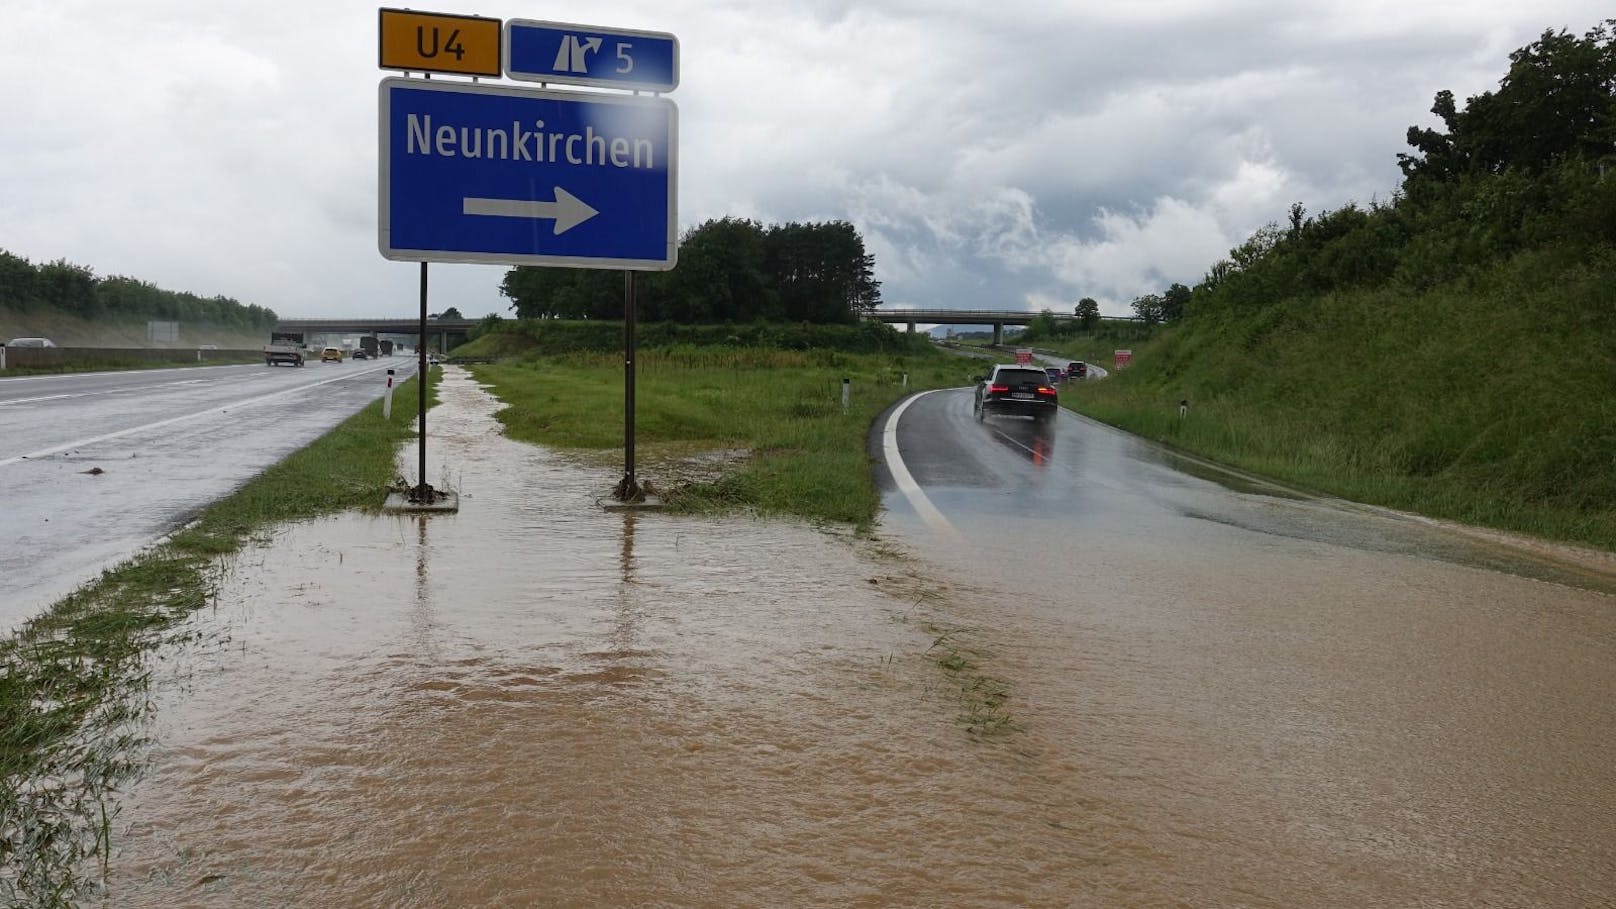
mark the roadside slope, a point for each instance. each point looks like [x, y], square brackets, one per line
[1489, 400]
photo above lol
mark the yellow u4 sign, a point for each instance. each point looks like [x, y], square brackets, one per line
[440, 43]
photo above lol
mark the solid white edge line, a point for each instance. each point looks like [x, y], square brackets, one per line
[58, 449]
[900, 473]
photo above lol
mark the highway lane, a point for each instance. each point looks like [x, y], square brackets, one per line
[1278, 699]
[96, 466]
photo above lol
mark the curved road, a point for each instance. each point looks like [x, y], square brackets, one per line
[1265, 697]
[96, 466]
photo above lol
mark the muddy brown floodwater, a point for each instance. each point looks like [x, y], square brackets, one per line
[537, 703]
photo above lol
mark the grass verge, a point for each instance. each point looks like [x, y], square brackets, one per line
[73, 681]
[1486, 401]
[776, 415]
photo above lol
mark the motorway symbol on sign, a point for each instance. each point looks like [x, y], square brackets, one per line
[519, 176]
[590, 55]
[440, 43]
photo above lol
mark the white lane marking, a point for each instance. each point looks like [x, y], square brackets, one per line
[80, 443]
[901, 476]
[40, 398]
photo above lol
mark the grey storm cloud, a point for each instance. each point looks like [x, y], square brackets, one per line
[1018, 154]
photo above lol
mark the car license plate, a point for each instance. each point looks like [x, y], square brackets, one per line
[1022, 395]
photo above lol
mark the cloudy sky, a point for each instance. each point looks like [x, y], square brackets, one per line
[1012, 154]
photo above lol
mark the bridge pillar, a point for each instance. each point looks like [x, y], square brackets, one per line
[998, 333]
[911, 328]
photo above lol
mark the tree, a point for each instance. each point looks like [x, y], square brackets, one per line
[1148, 307]
[450, 313]
[822, 272]
[1088, 313]
[1042, 326]
[564, 293]
[68, 287]
[722, 276]
[729, 270]
[74, 289]
[1558, 101]
[1174, 301]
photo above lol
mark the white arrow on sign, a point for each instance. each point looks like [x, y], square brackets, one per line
[568, 210]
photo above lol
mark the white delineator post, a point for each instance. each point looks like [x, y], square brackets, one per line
[387, 398]
[847, 394]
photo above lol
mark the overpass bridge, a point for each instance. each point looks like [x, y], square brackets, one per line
[998, 318]
[435, 328]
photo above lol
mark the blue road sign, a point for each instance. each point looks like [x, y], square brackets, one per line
[520, 176]
[590, 55]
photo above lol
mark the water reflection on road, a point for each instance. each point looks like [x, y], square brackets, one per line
[1287, 701]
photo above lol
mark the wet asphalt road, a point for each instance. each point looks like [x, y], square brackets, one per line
[1280, 699]
[1008, 484]
[166, 442]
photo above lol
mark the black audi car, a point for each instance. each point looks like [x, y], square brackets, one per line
[1011, 389]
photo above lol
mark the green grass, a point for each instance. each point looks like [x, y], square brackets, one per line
[803, 455]
[1490, 401]
[74, 680]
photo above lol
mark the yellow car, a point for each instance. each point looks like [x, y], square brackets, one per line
[331, 353]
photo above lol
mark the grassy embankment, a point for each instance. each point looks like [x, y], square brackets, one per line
[74, 679]
[776, 414]
[1489, 400]
[71, 331]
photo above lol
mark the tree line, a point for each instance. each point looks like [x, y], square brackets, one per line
[74, 290]
[1529, 165]
[729, 270]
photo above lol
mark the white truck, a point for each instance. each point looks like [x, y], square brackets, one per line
[284, 347]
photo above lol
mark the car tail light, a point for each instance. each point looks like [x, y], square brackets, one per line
[998, 389]
[1045, 390]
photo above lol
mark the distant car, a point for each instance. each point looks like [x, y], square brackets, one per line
[1077, 369]
[432, 360]
[1016, 389]
[361, 354]
[30, 342]
[332, 354]
[1055, 374]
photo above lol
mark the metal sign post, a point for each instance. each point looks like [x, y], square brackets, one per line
[422, 493]
[628, 489]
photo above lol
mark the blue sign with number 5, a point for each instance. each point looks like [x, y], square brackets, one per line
[591, 55]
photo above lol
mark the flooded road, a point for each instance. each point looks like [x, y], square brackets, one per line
[1292, 702]
[538, 703]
